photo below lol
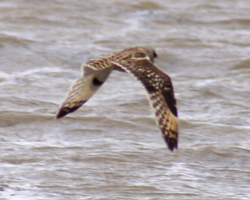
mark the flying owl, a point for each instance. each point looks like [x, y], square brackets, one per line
[139, 62]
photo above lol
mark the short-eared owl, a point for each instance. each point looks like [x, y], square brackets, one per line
[137, 61]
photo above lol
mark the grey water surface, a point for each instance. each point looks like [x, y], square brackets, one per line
[111, 148]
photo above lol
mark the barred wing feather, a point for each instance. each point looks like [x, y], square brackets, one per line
[161, 95]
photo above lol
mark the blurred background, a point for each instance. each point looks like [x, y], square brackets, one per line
[111, 147]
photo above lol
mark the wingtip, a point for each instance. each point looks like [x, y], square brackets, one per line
[172, 143]
[61, 114]
[64, 110]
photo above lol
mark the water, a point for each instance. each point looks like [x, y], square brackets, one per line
[111, 148]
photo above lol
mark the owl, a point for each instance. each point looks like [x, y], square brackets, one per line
[139, 62]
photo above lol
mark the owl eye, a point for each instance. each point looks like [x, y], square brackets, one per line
[155, 55]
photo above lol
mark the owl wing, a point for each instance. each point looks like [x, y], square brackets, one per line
[83, 89]
[161, 95]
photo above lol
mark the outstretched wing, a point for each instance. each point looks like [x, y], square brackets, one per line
[94, 73]
[160, 92]
[82, 89]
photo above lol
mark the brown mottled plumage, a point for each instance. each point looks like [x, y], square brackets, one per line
[137, 61]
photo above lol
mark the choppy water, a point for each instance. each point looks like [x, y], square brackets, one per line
[111, 148]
